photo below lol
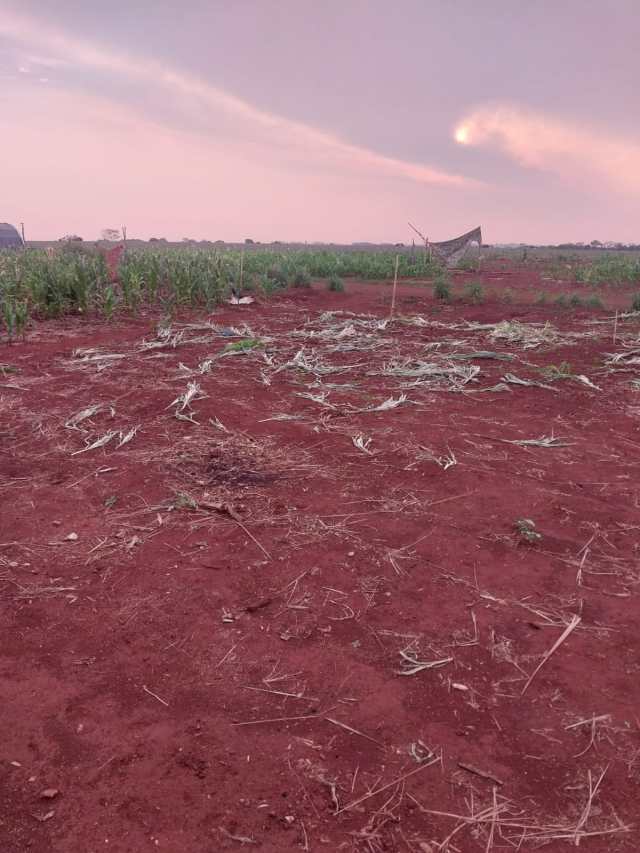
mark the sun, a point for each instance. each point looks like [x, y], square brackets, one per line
[461, 134]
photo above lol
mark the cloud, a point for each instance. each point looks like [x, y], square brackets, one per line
[47, 61]
[163, 181]
[314, 144]
[539, 141]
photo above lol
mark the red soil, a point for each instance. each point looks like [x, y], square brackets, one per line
[129, 654]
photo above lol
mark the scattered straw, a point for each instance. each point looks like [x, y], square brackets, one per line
[75, 420]
[387, 405]
[101, 441]
[128, 436]
[155, 696]
[225, 509]
[386, 787]
[543, 441]
[412, 665]
[530, 383]
[483, 774]
[573, 624]
[183, 402]
[362, 443]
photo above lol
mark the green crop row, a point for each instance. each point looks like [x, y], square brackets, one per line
[609, 270]
[78, 280]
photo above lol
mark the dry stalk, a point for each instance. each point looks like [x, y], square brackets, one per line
[386, 787]
[575, 621]
[411, 665]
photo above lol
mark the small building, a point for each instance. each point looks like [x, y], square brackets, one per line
[9, 237]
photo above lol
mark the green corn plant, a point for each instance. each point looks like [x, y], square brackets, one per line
[267, 285]
[21, 316]
[442, 289]
[108, 301]
[301, 278]
[54, 283]
[80, 284]
[9, 317]
[474, 292]
[136, 285]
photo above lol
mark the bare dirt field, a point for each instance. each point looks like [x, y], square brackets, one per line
[289, 580]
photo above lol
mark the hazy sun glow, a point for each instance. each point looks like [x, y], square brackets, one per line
[461, 134]
[555, 144]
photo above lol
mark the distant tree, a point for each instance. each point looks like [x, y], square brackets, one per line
[73, 245]
[596, 244]
[112, 235]
[249, 241]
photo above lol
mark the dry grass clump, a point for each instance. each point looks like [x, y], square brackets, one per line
[237, 460]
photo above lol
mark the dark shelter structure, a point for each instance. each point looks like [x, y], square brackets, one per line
[9, 237]
[451, 251]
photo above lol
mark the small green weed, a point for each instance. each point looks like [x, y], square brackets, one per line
[21, 315]
[441, 289]
[184, 501]
[474, 292]
[593, 302]
[335, 284]
[278, 275]
[467, 264]
[9, 317]
[268, 285]
[301, 278]
[557, 371]
[243, 345]
[526, 528]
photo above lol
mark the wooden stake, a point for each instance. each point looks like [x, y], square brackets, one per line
[615, 327]
[395, 287]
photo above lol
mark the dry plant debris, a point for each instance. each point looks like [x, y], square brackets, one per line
[367, 634]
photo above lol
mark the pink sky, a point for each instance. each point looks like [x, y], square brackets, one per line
[335, 121]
